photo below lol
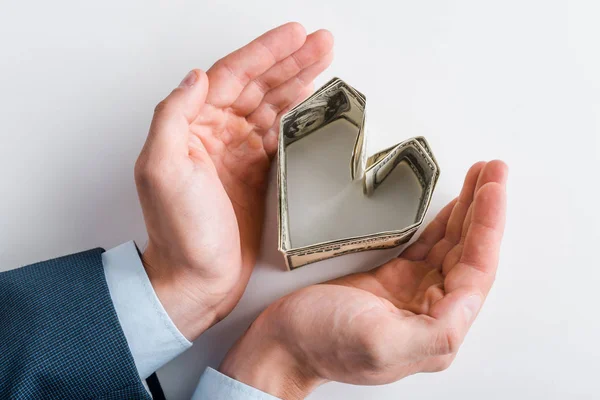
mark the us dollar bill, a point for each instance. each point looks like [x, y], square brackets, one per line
[334, 101]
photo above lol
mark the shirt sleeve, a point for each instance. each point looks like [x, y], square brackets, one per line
[216, 386]
[151, 335]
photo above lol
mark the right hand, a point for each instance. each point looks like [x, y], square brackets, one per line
[203, 172]
[407, 316]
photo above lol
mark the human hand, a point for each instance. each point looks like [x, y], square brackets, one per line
[202, 174]
[407, 316]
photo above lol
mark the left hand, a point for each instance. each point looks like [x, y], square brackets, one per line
[407, 316]
[202, 174]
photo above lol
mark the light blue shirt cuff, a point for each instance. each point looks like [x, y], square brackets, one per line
[216, 386]
[152, 337]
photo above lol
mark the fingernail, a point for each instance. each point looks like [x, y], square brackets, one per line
[189, 80]
[471, 307]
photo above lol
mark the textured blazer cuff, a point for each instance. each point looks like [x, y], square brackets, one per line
[59, 333]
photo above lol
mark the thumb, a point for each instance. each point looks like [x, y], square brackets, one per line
[169, 130]
[454, 315]
[443, 331]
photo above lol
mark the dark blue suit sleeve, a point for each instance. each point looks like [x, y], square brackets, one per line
[59, 334]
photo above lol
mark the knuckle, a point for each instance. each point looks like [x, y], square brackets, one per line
[374, 350]
[160, 107]
[163, 108]
[448, 341]
[145, 173]
[138, 169]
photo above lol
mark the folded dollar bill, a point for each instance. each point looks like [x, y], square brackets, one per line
[337, 101]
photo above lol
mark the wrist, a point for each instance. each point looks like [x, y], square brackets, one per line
[184, 304]
[259, 360]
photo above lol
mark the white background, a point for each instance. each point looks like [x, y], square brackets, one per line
[516, 80]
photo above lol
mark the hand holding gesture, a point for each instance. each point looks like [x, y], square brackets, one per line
[202, 173]
[407, 316]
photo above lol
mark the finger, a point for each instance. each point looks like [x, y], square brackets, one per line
[434, 232]
[443, 330]
[247, 149]
[494, 171]
[230, 75]
[464, 201]
[318, 44]
[479, 259]
[169, 131]
[271, 137]
[452, 235]
[281, 97]
[256, 137]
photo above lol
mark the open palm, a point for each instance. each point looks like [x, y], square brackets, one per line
[409, 315]
[202, 174]
[453, 261]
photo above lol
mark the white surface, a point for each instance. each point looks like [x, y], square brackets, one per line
[517, 80]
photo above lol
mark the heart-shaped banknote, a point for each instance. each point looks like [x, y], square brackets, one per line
[324, 209]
